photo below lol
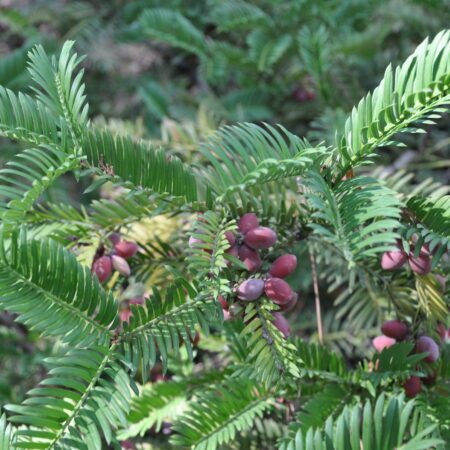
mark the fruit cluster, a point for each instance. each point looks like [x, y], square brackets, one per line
[397, 331]
[251, 238]
[104, 264]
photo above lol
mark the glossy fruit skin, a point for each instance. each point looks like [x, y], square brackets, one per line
[395, 329]
[393, 260]
[233, 251]
[290, 304]
[102, 267]
[121, 265]
[420, 265]
[278, 290]
[283, 266]
[261, 237]
[282, 324]
[231, 238]
[114, 238]
[382, 342]
[125, 315]
[250, 258]
[426, 344]
[247, 222]
[226, 314]
[412, 386]
[126, 249]
[250, 290]
[127, 445]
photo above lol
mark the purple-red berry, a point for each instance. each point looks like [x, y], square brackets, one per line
[382, 342]
[420, 264]
[114, 238]
[250, 290]
[121, 265]
[393, 260]
[395, 329]
[233, 251]
[247, 222]
[412, 386]
[427, 345]
[125, 315]
[250, 258]
[282, 324]
[261, 237]
[290, 304]
[283, 266]
[278, 290]
[102, 267]
[231, 238]
[126, 249]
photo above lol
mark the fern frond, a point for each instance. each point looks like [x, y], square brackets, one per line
[387, 424]
[270, 355]
[28, 120]
[358, 217]
[164, 323]
[266, 51]
[170, 26]
[216, 416]
[6, 434]
[86, 393]
[238, 15]
[27, 176]
[52, 292]
[121, 160]
[59, 88]
[246, 154]
[405, 98]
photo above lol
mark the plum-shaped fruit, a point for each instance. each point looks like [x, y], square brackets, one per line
[412, 386]
[282, 324]
[250, 258]
[114, 238]
[250, 290]
[427, 345]
[393, 260]
[278, 290]
[247, 222]
[261, 237]
[126, 249]
[102, 267]
[290, 304]
[283, 266]
[382, 342]
[420, 265]
[121, 265]
[125, 315]
[193, 241]
[223, 302]
[395, 329]
[231, 238]
[226, 314]
[127, 445]
[233, 251]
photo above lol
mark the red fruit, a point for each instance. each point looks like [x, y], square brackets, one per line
[427, 345]
[250, 258]
[395, 329]
[283, 266]
[125, 315]
[247, 222]
[233, 251]
[193, 241]
[412, 386]
[230, 237]
[126, 249]
[382, 342]
[282, 324]
[250, 290]
[114, 238]
[136, 301]
[121, 265]
[226, 314]
[223, 302]
[102, 267]
[278, 290]
[261, 237]
[420, 265]
[128, 445]
[290, 304]
[393, 260]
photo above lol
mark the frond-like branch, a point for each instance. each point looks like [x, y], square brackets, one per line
[52, 292]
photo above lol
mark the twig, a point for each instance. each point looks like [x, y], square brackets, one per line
[316, 295]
